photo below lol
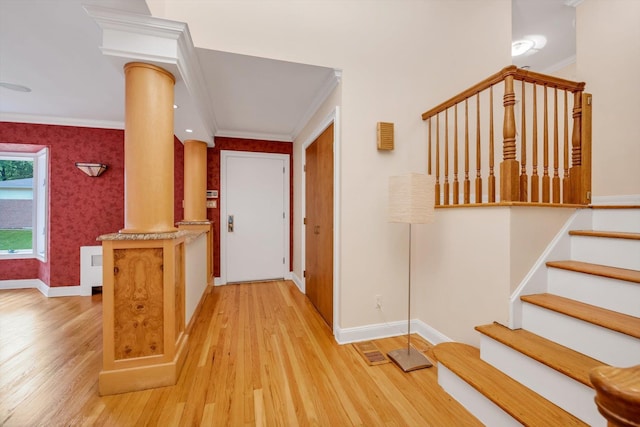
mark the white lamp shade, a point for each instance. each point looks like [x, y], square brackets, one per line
[412, 198]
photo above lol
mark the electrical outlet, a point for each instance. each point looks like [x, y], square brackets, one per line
[378, 302]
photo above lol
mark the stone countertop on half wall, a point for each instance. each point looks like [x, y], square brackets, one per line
[147, 236]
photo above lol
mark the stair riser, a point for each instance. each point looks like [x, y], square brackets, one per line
[624, 220]
[475, 402]
[612, 294]
[572, 396]
[608, 346]
[621, 253]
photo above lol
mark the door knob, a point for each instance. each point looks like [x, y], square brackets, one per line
[230, 224]
[316, 229]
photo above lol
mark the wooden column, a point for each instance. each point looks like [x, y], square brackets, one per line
[509, 168]
[143, 305]
[195, 180]
[148, 149]
[195, 199]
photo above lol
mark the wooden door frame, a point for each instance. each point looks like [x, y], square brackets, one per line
[224, 154]
[333, 117]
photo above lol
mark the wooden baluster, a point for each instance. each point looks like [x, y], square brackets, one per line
[535, 179]
[437, 160]
[556, 145]
[456, 184]
[524, 192]
[478, 152]
[429, 149]
[492, 178]
[509, 168]
[576, 149]
[566, 185]
[467, 184]
[446, 156]
[546, 180]
[617, 394]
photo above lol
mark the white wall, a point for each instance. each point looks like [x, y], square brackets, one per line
[608, 59]
[399, 58]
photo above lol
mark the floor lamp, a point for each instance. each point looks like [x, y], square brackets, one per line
[411, 201]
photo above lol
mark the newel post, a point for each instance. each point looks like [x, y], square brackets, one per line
[510, 167]
[617, 394]
[580, 172]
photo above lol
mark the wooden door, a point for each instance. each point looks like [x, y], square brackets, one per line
[319, 224]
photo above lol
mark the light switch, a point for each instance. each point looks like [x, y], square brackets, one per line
[212, 204]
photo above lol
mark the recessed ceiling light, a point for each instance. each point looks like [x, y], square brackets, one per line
[188, 130]
[175, 106]
[520, 47]
[15, 87]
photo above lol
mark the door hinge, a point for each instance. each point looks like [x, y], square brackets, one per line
[304, 221]
[283, 260]
[304, 168]
[304, 274]
[283, 169]
[283, 217]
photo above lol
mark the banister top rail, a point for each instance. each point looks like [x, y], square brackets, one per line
[518, 74]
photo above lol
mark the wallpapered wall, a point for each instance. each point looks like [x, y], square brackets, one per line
[81, 208]
[213, 180]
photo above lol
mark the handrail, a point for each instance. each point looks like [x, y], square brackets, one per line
[518, 74]
[561, 181]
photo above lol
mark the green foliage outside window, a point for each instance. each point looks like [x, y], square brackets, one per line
[15, 169]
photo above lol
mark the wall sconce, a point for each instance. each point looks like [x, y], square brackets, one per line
[92, 169]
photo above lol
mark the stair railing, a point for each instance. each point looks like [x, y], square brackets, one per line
[526, 110]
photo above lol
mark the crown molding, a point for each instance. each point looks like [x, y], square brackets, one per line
[254, 135]
[130, 36]
[323, 93]
[60, 121]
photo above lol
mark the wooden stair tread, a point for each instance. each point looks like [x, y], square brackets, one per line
[523, 404]
[610, 234]
[598, 270]
[614, 206]
[619, 322]
[563, 359]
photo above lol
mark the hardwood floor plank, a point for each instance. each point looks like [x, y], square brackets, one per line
[259, 355]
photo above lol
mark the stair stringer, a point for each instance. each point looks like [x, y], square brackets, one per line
[535, 281]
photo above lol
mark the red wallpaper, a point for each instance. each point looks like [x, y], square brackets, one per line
[213, 179]
[178, 179]
[80, 207]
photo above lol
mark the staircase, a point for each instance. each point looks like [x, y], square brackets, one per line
[588, 316]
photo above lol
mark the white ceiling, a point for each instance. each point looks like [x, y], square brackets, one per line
[53, 47]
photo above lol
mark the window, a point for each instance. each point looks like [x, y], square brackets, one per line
[23, 203]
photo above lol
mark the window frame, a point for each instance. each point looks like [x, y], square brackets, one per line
[40, 205]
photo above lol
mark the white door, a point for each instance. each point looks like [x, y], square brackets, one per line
[254, 219]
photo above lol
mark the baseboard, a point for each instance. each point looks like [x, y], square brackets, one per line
[627, 199]
[56, 291]
[218, 281]
[299, 282]
[391, 329]
[22, 284]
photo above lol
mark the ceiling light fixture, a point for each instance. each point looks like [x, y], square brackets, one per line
[15, 87]
[520, 47]
[188, 130]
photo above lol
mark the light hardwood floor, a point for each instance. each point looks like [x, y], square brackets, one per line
[259, 354]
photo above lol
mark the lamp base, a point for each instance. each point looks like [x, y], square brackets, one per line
[409, 359]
